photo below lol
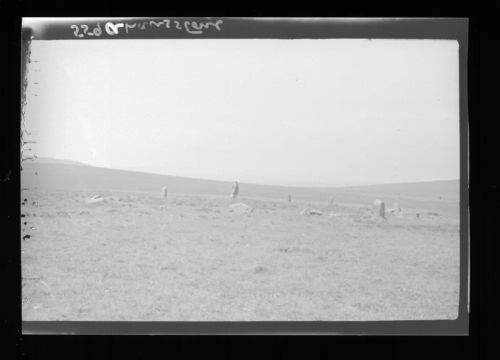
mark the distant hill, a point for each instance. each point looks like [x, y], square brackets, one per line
[63, 174]
[48, 160]
[447, 190]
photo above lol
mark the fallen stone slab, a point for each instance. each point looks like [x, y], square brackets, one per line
[241, 208]
[334, 215]
[308, 211]
[96, 199]
[395, 210]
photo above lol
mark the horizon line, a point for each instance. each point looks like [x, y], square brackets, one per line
[318, 187]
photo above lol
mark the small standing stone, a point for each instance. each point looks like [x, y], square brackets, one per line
[235, 191]
[379, 209]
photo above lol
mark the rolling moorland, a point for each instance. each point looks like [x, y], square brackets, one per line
[134, 255]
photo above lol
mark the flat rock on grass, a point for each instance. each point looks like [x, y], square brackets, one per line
[241, 208]
[94, 200]
[312, 212]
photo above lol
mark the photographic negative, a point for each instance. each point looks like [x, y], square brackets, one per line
[239, 179]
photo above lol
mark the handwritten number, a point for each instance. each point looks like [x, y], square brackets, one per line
[98, 30]
[75, 27]
[112, 29]
[191, 27]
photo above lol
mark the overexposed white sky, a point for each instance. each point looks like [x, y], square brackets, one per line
[283, 112]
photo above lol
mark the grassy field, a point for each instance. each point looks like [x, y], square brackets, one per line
[138, 257]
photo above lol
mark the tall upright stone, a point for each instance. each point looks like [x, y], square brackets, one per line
[379, 209]
[235, 191]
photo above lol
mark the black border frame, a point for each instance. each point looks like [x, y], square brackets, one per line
[283, 28]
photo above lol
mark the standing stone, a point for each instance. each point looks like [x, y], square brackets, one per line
[164, 192]
[379, 209]
[289, 198]
[235, 191]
